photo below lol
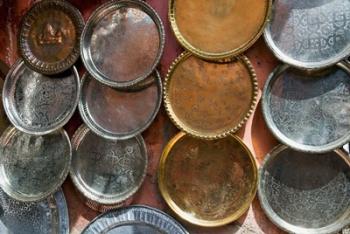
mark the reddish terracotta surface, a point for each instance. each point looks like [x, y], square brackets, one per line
[255, 133]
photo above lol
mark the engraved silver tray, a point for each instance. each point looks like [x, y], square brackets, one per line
[309, 111]
[134, 220]
[116, 114]
[39, 104]
[306, 193]
[107, 172]
[122, 42]
[309, 34]
[33, 167]
[49, 216]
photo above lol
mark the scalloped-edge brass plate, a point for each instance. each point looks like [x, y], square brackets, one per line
[218, 29]
[207, 183]
[210, 100]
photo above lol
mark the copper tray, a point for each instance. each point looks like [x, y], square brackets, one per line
[207, 183]
[209, 99]
[218, 29]
[306, 193]
[49, 36]
[122, 42]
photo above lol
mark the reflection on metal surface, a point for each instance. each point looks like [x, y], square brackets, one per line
[117, 114]
[134, 219]
[33, 167]
[306, 193]
[122, 43]
[309, 34]
[107, 172]
[38, 104]
[49, 36]
[47, 216]
[218, 29]
[207, 183]
[309, 111]
[207, 99]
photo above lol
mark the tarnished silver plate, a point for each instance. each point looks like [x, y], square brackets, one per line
[107, 172]
[136, 220]
[309, 34]
[306, 193]
[122, 42]
[117, 114]
[39, 104]
[33, 167]
[309, 111]
[49, 216]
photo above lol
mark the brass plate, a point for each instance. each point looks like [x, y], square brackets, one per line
[210, 100]
[49, 36]
[218, 29]
[207, 183]
[4, 122]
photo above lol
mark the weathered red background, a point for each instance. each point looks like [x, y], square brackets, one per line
[255, 133]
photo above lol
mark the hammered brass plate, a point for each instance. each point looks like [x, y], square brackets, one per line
[218, 29]
[207, 183]
[210, 100]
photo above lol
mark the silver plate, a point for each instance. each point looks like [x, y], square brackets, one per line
[308, 111]
[309, 34]
[39, 104]
[117, 114]
[107, 172]
[306, 193]
[134, 220]
[49, 216]
[122, 42]
[33, 167]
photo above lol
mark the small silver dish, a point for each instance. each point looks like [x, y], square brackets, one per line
[47, 216]
[122, 42]
[33, 167]
[309, 34]
[107, 172]
[134, 219]
[309, 111]
[37, 104]
[116, 114]
[306, 193]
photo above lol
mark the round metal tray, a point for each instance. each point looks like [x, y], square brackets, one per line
[49, 36]
[122, 43]
[39, 104]
[47, 216]
[115, 114]
[309, 111]
[33, 167]
[306, 193]
[134, 219]
[107, 172]
[207, 183]
[218, 29]
[208, 99]
[309, 34]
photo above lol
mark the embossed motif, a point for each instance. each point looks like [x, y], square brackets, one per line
[51, 35]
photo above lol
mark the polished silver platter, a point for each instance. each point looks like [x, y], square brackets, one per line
[49, 216]
[39, 104]
[122, 42]
[309, 34]
[115, 114]
[134, 220]
[33, 167]
[306, 193]
[107, 172]
[309, 111]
